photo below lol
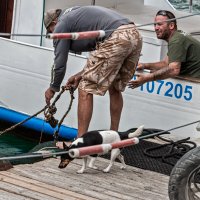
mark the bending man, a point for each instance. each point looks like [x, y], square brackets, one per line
[110, 66]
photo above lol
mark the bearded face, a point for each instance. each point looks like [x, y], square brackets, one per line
[162, 28]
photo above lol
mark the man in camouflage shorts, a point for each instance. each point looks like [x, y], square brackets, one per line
[110, 66]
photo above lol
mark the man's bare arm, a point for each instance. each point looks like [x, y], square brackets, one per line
[170, 71]
[154, 66]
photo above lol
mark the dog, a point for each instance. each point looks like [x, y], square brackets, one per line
[95, 138]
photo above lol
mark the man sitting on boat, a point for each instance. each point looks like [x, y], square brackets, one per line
[110, 66]
[183, 56]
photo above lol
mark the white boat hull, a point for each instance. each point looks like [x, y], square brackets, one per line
[25, 75]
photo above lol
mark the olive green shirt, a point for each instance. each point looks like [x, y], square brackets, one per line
[185, 49]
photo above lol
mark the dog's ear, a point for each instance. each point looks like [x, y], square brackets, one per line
[65, 146]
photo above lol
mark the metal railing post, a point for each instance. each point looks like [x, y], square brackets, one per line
[190, 6]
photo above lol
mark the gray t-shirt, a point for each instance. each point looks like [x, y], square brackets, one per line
[86, 18]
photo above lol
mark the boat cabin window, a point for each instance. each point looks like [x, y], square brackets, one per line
[6, 14]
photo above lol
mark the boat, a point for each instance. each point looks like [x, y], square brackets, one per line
[25, 64]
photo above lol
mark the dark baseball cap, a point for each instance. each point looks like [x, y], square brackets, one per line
[50, 16]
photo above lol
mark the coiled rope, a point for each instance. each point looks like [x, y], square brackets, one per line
[56, 134]
[171, 149]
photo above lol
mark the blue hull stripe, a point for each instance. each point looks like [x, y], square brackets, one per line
[36, 124]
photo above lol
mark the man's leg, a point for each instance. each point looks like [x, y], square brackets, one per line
[85, 109]
[116, 105]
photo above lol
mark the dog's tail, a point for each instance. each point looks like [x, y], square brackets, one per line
[137, 132]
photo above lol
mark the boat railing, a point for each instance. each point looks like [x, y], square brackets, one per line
[189, 79]
[190, 6]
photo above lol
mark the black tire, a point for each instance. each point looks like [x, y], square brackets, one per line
[185, 177]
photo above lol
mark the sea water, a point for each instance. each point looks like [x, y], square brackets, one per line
[11, 143]
[183, 5]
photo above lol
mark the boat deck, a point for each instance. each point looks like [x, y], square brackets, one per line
[44, 180]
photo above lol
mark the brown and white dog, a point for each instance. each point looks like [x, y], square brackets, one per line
[95, 138]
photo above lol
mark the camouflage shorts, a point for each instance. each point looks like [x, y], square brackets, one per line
[114, 61]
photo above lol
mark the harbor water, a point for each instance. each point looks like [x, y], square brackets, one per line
[11, 143]
[184, 5]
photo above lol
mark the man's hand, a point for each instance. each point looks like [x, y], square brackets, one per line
[73, 81]
[49, 95]
[141, 79]
[140, 67]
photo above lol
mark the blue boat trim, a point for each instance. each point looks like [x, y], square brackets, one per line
[36, 124]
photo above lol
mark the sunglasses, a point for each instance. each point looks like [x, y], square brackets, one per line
[168, 14]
